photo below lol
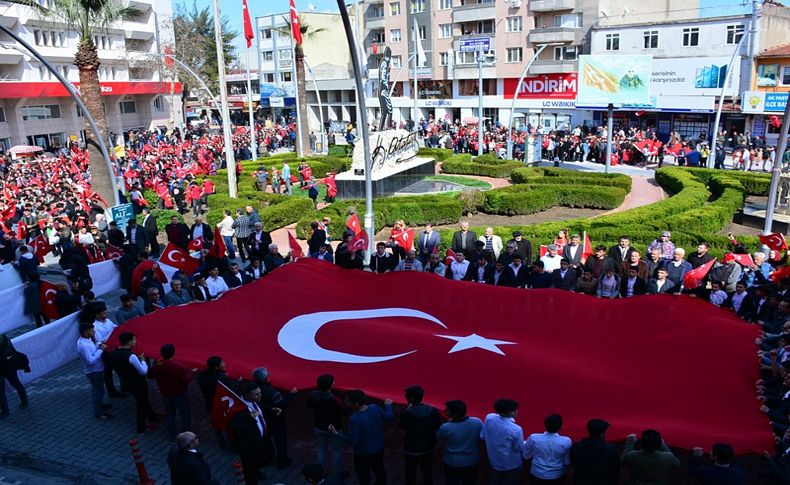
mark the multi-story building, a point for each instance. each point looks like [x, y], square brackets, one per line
[327, 70]
[138, 92]
[766, 98]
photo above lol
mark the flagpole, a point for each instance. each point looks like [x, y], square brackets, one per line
[415, 56]
[253, 144]
[230, 160]
[300, 152]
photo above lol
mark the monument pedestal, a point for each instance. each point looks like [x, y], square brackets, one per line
[351, 184]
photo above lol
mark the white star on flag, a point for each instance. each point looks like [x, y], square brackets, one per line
[475, 341]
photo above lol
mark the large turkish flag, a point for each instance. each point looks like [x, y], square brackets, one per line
[673, 363]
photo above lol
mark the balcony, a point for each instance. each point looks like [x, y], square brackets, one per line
[474, 12]
[374, 22]
[138, 30]
[551, 5]
[142, 5]
[553, 35]
[12, 57]
[548, 67]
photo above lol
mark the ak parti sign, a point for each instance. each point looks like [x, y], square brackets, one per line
[16, 89]
[544, 86]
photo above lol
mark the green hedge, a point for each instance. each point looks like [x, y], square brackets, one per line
[550, 175]
[440, 154]
[485, 167]
[528, 199]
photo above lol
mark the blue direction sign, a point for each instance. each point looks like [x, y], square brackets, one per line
[121, 214]
[475, 44]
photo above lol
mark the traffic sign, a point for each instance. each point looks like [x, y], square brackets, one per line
[122, 214]
[475, 44]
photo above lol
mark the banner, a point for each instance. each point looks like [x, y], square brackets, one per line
[106, 277]
[9, 277]
[635, 362]
[13, 309]
[614, 79]
[763, 102]
[546, 86]
[49, 347]
[19, 89]
[693, 76]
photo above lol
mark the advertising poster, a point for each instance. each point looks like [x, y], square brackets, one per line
[617, 80]
[693, 76]
[767, 74]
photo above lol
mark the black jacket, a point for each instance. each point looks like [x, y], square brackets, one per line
[524, 249]
[149, 225]
[141, 238]
[327, 409]
[595, 462]
[247, 440]
[640, 287]
[567, 283]
[131, 380]
[188, 468]
[457, 242]
[614, 253]
[421, 422]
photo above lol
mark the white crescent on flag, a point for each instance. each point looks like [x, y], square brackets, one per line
[179, 259]
[49, 300]
[297, 336]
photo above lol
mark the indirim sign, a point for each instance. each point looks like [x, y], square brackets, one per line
[547, 86]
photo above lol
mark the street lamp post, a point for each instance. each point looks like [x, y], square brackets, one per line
[480, 61]
[515, 97]
[776, 171]
[320, 106]
[230, 161]
[713, 149]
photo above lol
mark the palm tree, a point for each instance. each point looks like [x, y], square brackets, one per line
[308, 33]
[86, 18]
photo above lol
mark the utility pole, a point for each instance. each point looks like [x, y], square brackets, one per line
[230, 161]
[480, 60]
[609, 128]
[776, 171]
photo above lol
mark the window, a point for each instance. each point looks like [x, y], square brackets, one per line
[445, 4]
[158, 104]
[395, 35]
[786, 76]
[378, 37]
[515, 24]
[734, 33]
[285, 54]
[268, 77]
[571, 20]
[62, 39]
[40, 112]
[443, 58]
[395, 9]
[377, 12]
[486, 27]
[2, 115]
[471, 57]
[37, 37]
[417, 6]
[266, 33]
[469, 87]
[397, 62]
[651, 39]
[64, 70]
[285, 77]
[565, 53]
[691, 37]
[128, 107]
[268, 56]
[421, 31]
[613, 42]
[445, 31]
[514, 54]
[114, 72]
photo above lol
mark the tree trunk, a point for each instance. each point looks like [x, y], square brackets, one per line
[87, 61]
[302, 116]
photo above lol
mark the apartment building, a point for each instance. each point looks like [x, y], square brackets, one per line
[138, 92]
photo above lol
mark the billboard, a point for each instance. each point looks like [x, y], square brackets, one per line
[763, 102]
[546, 86]
[693, 76]
[614, 79]
[767, 75]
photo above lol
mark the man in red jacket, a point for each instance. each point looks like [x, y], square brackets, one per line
[173, 381]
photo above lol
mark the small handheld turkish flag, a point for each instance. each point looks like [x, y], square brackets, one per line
[178, 258]
[775, 241]
[196, 244]
[353, 223]
[40, 247]
[449, 257]
[47, 297]
[113, 252]
[306, 173]
[405, 239]
[693, 278]
[359, 242]
[218, 247]
[543, 250]
[296, 249]
[21, 230]
[587, 249]
[226, 404]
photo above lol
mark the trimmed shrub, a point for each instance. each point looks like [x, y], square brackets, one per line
[471, 201]
[284, 213]
[528, 199]
[488, 167]
[340, 151]
[440, 154]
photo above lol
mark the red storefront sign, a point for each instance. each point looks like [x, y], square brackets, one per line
[16, 89]
[544, 86]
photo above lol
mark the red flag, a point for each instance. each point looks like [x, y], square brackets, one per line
[544, 249]
[306, 173]
[296, 249]
[47, 297]
[362, 337]
[693, 278]
[196, 244]
[353, 223]
[218, 247]
[296, 25]
[226, 404]
[113, 252]
[178, 258]
[775, 241]
[587, 248]
[40, 247]
[780, 273]
[21, 230]
[743, 259]
[449, 256]
[248, 31]
[359, 242]
[405, 239]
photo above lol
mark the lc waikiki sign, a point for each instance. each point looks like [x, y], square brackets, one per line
[546, 86]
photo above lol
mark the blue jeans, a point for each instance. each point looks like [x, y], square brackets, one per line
[181, 405]
[229, 244]
[324, 440]
[97, 391]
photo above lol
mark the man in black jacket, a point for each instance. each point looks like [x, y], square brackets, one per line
[137, 236]
[133, 370]
[421, 422]
[149, 224]
[328, 410]
[250, 439]
[115, 236]
[622, 252]
[595, 461]
[178, 233]
[187, 465]
[464, 241]
[274, 403]
[523, 247]
[201, 230]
